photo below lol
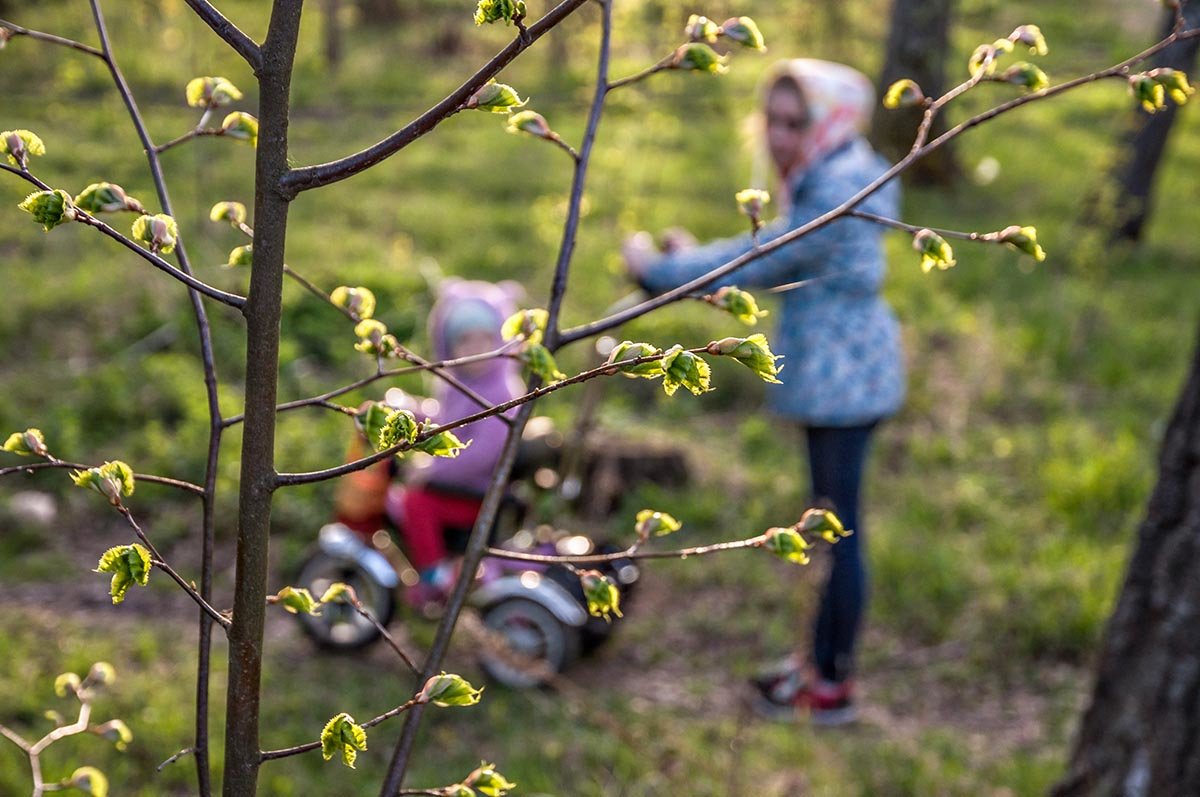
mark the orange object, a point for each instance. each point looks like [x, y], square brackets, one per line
[359, 497]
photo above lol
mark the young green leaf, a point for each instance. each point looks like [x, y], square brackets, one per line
[116, 732]
[101, 673]
[603, 597]
[107, 198]
[211, 92]
[373, 338]
[738, 303]
[26, 443]
[1030, 36]
[699, 57]
[360, 301]
[660, 524]
[129, 564]
[296, 600]
[1023, 239]
[232, 212]
[370, 421]
[745, 32]
[442, 444]
[934, 251]
[682, 368]
[495, 97]
[49, 208]
[448, 689]
[67, 683]
[157, 233]
[240, 256]
[112, 480]
[342, 736]
[400, 426]
[1026, 75]
[750, 202]
[487, 781]
[530, 122]
[529, 325]
[753, 352]
[489, 11]
[242, 126]
[824, 524]
[701, 29]
[903, 93]
[540, 361]
[787, 544]
[18, 145]
[88, 780]
[339, 592]
[628, 350]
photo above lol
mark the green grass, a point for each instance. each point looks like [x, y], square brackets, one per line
[1001, 499]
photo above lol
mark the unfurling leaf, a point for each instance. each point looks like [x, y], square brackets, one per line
[745, 32]
[1149, 92]
[240, 256]
[529, 325]
[787, 544]
[112, 480]
[903, 93]
[487, 781]
[738, 303]
[129, 564]
[157, 233]
[49, 208]
[88, 780]
[116, 732]
[1165, 82]
[934, 251]
[699, 57]
[684, 369]
[399, 427]
[1026, 75]
[824, 524]
[495, 97]
[983, 60]
[448, 689]
[1030, 36]
[530, 122]
[660, 524]
[339, 592]
[603, 597]
[296, 600]
[211, 92]
[701, 29]
[628, 350]
[30, 441]
[232, 212]
[101, 673]
[442, 444]
[18, 145]
[107, 198]
[750, 202]
[342, 736]
[360, 301]
[489, 11]
[373, 338]
[1023, 239]
[242, 126]
[460, 790]
[67, 683]
[540, 361]
[370, 421]
[753, 352]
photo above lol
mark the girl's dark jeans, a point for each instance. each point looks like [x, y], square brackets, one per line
[837, 457]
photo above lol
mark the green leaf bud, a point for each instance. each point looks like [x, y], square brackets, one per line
[684, 369]
[903, 93]
[1149, 92]
[360, 301]
[527, 324]
[699, 57]
[67, 683]
[112, 480]
[342, 736]
[448, 689]
[745, 32]
[30, 441]
[18, 145]
[129, 564]
[603, 597]
[157, 233]
[1023, 239]
[934, 250]
[487, 781]
[660, 524]
[530, 122]
[628, 350]
[495, 98]
[1026, 75]
[1030, 36]
[373, 338]
[211, 92]
[49, 208]
[240, 256]
[371, 419]
[296, 600]
[983, 60]
[1174, 82]
[750, 202]
[539, 360]
[232, 212]
[738, 303]
[459, 790]
[824, 524]
[242, 126]
[101, 673]
[701, 29]
[107, 198]
[116, 732]
[787, 544]
[489, 11]
[399, 427]
[88, 780]
[442, 444]
[753, 352]
[339, 592]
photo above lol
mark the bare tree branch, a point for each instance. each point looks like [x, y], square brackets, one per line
[186, 486]
[17, 30]
[242, 44]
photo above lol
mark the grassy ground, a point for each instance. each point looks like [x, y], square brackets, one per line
[1001, 501]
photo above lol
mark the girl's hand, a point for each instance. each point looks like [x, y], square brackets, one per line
[677, 239]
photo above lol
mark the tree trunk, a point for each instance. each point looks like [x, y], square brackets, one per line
[1141, 734]
[333, 33]
[383, 13]
[1145, 141]
[916, 48]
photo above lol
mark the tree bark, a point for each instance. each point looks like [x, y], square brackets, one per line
[1145, 142]
[1141, 734]
[258, 476]
[916, 48]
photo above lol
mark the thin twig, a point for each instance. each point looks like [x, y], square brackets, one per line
[17, 30]
[179, 484]
[269, 755]
[629, 553]
[189, 135]
[895, 224]
[174, 758]
[645, 73]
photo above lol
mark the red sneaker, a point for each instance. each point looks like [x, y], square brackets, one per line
[792, 693]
